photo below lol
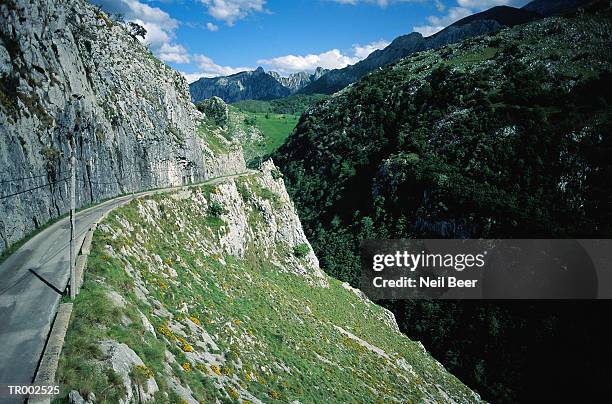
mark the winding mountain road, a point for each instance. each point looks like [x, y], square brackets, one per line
[32, 281]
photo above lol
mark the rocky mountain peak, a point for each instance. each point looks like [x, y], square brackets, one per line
[255, 85]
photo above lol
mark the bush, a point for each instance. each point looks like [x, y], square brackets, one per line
[301, 250]
[276, 174]
[215, 209]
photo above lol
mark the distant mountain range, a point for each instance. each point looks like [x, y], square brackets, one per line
[252, 85]
[488, 21]
[485, 22]
[261, 85]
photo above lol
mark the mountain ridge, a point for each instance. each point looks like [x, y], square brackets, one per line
[252, 85]
[485, 22]
[238, 87]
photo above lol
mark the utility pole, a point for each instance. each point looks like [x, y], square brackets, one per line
[73, 280]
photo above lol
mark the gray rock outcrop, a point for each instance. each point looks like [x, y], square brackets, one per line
[67, 70]
[123, 360]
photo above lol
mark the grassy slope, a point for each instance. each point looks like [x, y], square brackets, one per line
[273, 330]
[275, 128]
[294, 104]
[276, 119]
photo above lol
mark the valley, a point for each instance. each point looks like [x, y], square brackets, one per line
[225, 215]
[275, 128]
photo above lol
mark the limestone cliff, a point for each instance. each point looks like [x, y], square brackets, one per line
[67, 70]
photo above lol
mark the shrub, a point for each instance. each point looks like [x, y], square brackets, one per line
[215, 209]
[301, 250]
[216, 369]
[140, 375]
[276, 174]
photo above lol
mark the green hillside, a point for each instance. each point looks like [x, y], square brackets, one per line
[218, 312]
[497, 136]
[275, 119]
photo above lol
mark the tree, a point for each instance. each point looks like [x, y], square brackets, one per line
[137, 30]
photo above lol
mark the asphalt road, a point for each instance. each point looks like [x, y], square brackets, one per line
[32, 281]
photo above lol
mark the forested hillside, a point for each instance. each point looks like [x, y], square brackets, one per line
[497, 136]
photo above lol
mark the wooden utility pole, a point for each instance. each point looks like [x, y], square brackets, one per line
[73, 280]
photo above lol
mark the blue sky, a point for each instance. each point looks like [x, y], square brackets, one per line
[219, 37]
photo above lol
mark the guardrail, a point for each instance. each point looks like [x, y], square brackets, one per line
[45, 375]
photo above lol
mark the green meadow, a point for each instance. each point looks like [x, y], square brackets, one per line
[275, 127]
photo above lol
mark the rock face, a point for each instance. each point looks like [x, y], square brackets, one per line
[297, 81]
[124, 361]
[215, 109]
[252, 85]
[66, 71]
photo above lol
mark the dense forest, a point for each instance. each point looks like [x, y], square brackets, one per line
[504, 136]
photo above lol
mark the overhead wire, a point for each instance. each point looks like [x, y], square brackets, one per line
[93, 182]
[32, 189]
[26, 178]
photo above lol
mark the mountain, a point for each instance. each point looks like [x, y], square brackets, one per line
[251, 85]
[205, 292]
[485, 22]
[297, 81]
[499, 136]
[130, 115]
[255, 84]
[555, 7]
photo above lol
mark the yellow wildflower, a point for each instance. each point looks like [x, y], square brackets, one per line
[216, 370]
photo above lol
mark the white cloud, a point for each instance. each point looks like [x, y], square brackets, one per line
[208, 68]
[476, 4]
[173, 53]
[484, 4]
[230, 11]
[191, 77]
[439, 23]
[160, 27]
[363, 51]
[212, 27]
[331, 59]
[381, 3]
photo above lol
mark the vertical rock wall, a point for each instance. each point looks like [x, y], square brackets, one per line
[67, 70]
